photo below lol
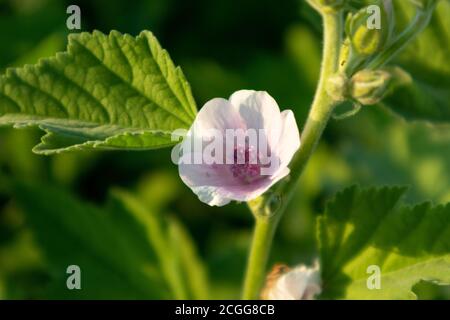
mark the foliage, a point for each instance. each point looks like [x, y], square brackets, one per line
[105, 92]
[361, 228]
[125, 250]
[111, 90]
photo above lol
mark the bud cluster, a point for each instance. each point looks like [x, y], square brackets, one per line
[367, 87]
[370, 37]
[371, 42]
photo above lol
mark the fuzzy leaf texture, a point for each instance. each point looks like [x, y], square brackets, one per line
[371, 227]
[125, 250]
[107, 91]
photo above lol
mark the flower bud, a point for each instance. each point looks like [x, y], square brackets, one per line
[337, 87]
[371, 28]
[371, 86]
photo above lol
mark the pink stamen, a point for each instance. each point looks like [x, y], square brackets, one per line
[246, 166]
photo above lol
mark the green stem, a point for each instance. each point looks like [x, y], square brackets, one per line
[259, 254]
[269, 208]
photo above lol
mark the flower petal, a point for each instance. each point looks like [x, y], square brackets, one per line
[214, 184]
[259, 111]
[219, 183]
[211, 196]
[217, 114]
[289, 141]
[206, 181]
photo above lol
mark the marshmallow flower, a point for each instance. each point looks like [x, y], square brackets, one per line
[249, 166]
[300, 283]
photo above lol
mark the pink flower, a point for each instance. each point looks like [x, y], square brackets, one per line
[236, 149]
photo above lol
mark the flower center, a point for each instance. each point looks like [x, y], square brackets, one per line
[246, 166]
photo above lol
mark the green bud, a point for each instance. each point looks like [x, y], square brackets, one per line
[327, 5]
[371, 86]
[368, 86]
[338, 87]
[371, 28]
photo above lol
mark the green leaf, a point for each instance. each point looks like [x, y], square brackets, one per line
[124, 251]
[426, 59]
[108, 245]
[107, 91]
[193, 268]
[368, 227]
[177, 256]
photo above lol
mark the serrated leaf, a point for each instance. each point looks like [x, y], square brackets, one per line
[368, 227]
[107, 91]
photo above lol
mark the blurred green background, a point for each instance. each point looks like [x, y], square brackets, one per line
[222, 46]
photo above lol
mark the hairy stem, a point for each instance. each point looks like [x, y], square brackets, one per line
[269, 208]
[259, 254]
